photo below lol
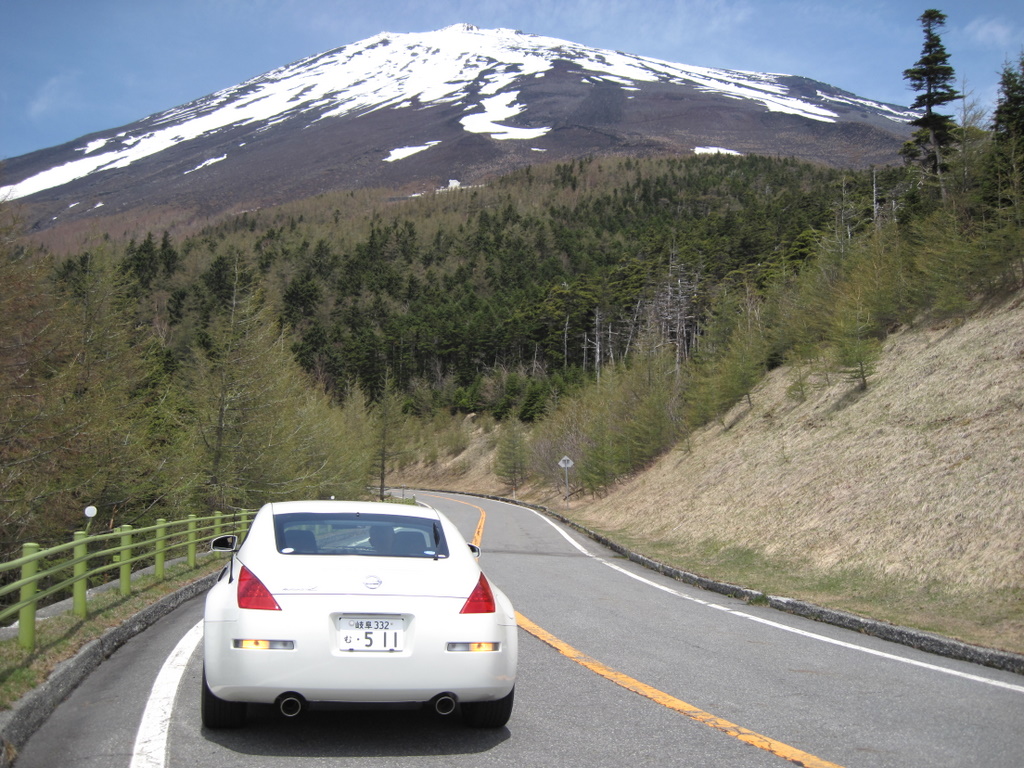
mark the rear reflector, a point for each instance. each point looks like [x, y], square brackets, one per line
[474, 647]
[265, 645]
[252, 594]
[482, 599]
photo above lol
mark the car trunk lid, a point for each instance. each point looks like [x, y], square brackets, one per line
[356, 575]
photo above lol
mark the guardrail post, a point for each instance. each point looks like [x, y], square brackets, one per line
[160, 555]
[191, 540]
[27, 614]
[79, 603]
[125, 555]
[217, 516]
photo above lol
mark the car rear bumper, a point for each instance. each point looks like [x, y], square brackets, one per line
[317, 669]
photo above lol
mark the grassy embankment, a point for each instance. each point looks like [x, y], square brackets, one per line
[60, 637]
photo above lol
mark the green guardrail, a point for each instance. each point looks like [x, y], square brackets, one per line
[70, 566]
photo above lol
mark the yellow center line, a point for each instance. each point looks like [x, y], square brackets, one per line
[784, 751]
[478, 536]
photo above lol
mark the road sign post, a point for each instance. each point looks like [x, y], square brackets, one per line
[565, 464]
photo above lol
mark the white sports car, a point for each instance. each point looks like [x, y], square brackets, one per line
[361, 602]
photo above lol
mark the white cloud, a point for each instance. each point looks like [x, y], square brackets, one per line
[54, 95]
[990, 32]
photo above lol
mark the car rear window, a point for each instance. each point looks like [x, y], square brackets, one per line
[373, 535]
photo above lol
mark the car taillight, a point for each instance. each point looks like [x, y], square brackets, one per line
[482, 599]
[253, 594]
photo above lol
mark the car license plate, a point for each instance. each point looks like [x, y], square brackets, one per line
[371, 633]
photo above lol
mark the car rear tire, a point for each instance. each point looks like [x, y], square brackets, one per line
[217, 713]
[488, 714]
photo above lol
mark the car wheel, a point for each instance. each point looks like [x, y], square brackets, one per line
[217, 713]
[488, 714]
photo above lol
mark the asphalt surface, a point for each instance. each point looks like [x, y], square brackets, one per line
[722, 682]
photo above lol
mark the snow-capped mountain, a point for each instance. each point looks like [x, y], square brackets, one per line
[419, 111]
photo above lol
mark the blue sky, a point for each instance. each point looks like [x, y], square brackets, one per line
[71, 67]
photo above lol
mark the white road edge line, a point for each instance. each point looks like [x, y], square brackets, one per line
[776, 625]
[151, 740]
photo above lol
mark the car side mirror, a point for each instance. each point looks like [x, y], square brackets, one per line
[475, 550]
[227, 543]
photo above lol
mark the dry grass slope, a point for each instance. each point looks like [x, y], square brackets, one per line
[919, 477]
[904, 502]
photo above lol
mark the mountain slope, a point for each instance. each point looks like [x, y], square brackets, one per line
[900, 503]
[421, 111]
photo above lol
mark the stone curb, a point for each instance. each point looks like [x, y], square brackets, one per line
[31, 711]
[914, 638]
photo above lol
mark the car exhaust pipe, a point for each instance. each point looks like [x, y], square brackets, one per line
[290, 704]
[444, 703]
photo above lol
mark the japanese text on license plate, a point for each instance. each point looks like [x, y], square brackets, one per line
[371, 633]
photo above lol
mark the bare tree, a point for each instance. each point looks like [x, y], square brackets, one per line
[387, 430]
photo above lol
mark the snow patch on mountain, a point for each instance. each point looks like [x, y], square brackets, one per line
[207, 163]
[715, 151]
[402, 152]
[893, 113]
[92, 146]
[498, 108]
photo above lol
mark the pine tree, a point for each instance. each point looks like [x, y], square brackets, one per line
[1008, 118]
[1005, 239]
[511, 461]
[932, 77]
[259, 429]
[855, 345]
[73, 428]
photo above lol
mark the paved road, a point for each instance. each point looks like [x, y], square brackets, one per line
[618, 666]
